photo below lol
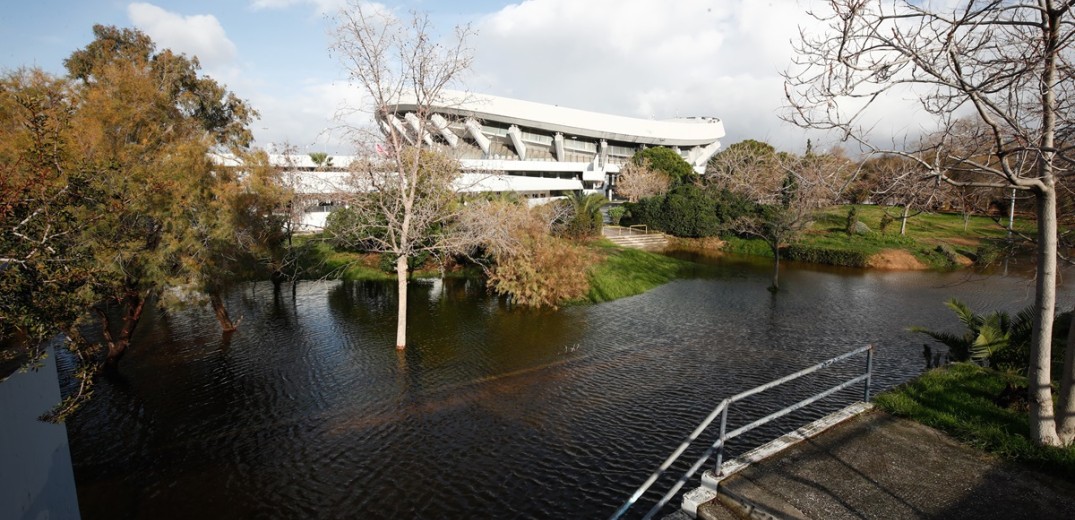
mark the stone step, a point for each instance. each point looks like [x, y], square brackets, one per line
[651, 241]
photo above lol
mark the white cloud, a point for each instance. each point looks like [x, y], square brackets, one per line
[306, 118]
[642, 58]
[636, 58]
[195, 35]
[321, 6]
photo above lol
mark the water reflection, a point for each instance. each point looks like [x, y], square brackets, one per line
[492, 411]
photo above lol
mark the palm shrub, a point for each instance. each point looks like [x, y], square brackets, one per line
[616, 214]
[998, 339]
[585, 220]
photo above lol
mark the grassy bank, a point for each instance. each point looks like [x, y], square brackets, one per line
[626, 272]
[959, 400]
[319, 260]
[937, 240]
[620, 273]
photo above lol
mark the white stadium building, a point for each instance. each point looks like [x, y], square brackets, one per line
[538, 151]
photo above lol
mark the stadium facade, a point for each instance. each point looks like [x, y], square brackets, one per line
[538, 151]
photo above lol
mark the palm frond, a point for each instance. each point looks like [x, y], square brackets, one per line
[992, 336]
[964, 313]
[1022, 326]
[958, 346]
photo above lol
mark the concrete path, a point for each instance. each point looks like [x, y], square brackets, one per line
[879, 466]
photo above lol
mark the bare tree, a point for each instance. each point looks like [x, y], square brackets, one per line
[402, 196]
[638, 181]
[901, 183]
[1009, 64]
[524, 260]
[786, 189]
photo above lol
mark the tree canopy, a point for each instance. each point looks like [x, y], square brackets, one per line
[110, 194]
[665, 160]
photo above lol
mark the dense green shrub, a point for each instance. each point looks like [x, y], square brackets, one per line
[689, 211]
[825, 255]
[886, 220]
[387, 262]
[729, 206]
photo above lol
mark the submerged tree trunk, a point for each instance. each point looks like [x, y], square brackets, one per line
[776, 268]
[401, 311]
[1065, 403]
[1042, 421]
[222, 314]
[133, 304]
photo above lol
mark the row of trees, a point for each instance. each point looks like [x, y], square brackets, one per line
[110, 200]
[749, 189]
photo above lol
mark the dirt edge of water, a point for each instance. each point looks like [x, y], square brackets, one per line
[896, 260]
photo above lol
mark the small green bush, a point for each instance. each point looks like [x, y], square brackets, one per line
[616, 214]
[852, 219]
[886, 220]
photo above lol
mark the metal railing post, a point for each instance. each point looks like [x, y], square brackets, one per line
[722, 409]
[723, 430]
[869, 375]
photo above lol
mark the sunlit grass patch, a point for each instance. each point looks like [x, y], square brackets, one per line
[960, 400]
[626, 272]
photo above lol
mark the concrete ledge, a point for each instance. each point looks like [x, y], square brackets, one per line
[695, 498]
[711, 482]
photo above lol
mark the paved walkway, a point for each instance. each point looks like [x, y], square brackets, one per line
[879, 466]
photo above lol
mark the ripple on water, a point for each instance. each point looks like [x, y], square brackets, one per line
[491, 412]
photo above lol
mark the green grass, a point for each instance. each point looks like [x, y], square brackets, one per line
[621, 272]
[320, 260]
[627, 272]
[958, 400]
[827, 242]
[747, 246]
[926, 226]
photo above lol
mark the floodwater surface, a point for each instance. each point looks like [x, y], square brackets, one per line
[492, 411]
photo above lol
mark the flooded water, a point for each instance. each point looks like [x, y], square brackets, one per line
[491, 412]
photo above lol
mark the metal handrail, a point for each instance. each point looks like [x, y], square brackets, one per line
[643, 227]
[722, 411]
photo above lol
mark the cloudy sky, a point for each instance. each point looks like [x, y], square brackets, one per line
[639, 58]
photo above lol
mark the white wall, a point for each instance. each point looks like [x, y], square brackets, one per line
[36, 478]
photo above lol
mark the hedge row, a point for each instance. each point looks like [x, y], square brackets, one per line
[823, 255]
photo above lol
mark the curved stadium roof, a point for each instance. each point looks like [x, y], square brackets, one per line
[683, 132]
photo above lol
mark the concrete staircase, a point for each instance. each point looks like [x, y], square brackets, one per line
[636, 239]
